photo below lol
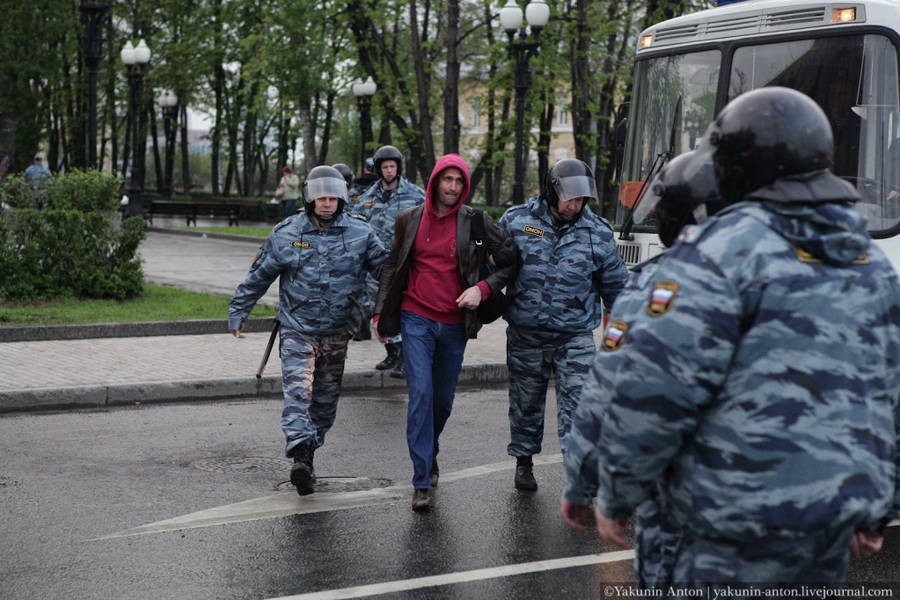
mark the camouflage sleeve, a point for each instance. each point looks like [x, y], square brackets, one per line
[894, 367]
[376, 254]
[610, 273]
[661, 362]
[263, 271]
[582, 455]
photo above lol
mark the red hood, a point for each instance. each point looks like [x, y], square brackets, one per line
[443, 163]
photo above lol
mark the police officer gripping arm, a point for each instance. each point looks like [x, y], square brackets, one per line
[569, 269]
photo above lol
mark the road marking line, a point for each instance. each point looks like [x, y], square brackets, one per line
[403, 585]
[289, 503]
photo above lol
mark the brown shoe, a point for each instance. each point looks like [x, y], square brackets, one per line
[435, 473]
[421, 500]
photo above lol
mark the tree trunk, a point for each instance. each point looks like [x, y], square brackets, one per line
[309, 134]
[185, 156]
[157, 162]
[451, 86]
[326, 133]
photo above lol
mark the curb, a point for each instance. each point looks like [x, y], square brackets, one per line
[209, 234]
[103, 396]
[43, 333]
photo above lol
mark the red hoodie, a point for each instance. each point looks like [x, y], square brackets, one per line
[434, 281]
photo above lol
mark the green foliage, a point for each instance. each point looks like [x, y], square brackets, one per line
[63, 240]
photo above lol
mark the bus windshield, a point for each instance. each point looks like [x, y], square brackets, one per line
[677, 91]
[853, 78]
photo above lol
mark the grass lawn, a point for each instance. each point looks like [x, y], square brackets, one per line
[250, 231]
[158, 303]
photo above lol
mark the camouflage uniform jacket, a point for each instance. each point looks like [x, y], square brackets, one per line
[752, 381]
[381, 215]
[564, 271]
[322, 274]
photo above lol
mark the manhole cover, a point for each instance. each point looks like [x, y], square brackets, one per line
[243, 464]
[340, 484]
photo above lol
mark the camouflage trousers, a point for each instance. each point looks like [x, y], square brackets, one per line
[531, 356]
[667, 556]
[312, 367]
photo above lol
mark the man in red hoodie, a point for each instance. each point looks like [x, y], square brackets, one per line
[429, 289]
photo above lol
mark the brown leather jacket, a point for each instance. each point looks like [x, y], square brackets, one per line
[395, 271]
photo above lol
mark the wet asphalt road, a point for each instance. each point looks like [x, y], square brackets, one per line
[75, 486]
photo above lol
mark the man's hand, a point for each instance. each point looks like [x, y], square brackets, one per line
[375, 328]
[865, 543]
[238, 332]
[610, 530]
[470, 298]
[574, 515]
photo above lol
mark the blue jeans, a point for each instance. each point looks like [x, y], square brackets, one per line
[432, 356]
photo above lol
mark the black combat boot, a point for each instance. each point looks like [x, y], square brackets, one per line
[390, 361]
[397, 372]
[524, 477]
[302, 473]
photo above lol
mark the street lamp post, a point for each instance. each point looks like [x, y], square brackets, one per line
[364, 90]
[537, 13]
[136, 59]
[93, 16]
[169, 104]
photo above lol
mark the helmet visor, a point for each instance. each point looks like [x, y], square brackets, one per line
[575, 186]
[326, 187]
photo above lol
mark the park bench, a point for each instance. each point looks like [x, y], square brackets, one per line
[193, 208]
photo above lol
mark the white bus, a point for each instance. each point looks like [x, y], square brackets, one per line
[842, 54]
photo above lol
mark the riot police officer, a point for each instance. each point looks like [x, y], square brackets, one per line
[569, 269]
[322, 257]
[380, 205]
[740, 389]
[363, 182]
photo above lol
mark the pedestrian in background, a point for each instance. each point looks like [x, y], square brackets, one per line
[288, 191]
[380, 205]
[746, 397]
[322, 257]
[429, 290]
[36, 171]
[569, 269]
[362, 183]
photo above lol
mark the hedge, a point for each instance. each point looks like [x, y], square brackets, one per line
[62, 238]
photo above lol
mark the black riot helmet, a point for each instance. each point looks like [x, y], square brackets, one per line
[370, 164]
[764, 135]
[569, 178]
[388, 153]
[324, 182]
[683, 193]
[346, 171]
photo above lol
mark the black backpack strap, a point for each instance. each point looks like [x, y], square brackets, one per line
[477, 232]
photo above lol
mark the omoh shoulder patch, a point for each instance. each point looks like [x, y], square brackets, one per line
[662, 298]
[615, 335]
[301, 245]
[533, 230]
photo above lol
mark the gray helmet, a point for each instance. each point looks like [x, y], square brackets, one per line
[324, 182]
[370, 164]
[388, 153]
[569, 178]
[346, 171]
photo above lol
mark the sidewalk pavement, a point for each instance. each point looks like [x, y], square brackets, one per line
[90, 373]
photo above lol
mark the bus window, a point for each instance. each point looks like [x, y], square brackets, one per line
[669, 91]
[854, 80]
